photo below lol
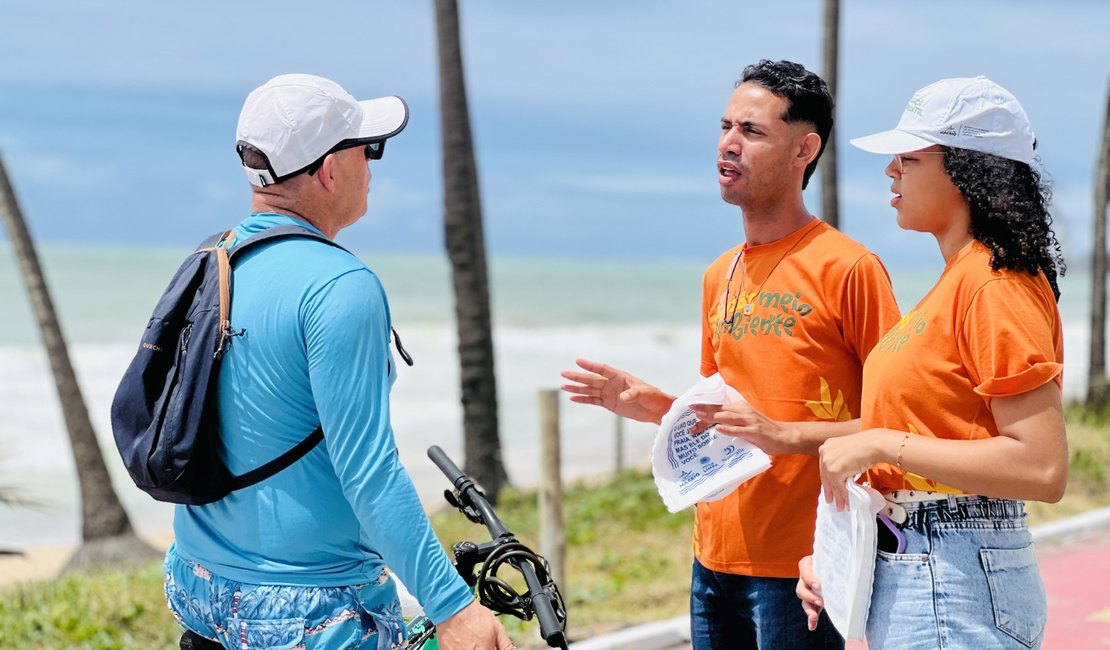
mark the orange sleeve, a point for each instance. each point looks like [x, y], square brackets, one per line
[868, 305]
[708, 359]
[1009, 340]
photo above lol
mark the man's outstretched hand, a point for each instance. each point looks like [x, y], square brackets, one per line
[617, 391]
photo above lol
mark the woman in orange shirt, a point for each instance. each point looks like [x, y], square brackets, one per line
[961, 413]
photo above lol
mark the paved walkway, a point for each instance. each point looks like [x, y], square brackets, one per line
[1077, 580]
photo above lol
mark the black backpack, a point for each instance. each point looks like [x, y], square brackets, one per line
[164, 414]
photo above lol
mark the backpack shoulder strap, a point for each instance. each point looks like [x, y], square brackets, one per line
[280, 232]
[210, 242]
[225, 257]
[281, 462]
[300, 231]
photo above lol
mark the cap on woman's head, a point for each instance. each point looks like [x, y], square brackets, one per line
[966, 113]
[295, 119]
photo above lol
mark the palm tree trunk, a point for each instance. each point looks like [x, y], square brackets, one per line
[466, 248]
[830, 207]
[1098, 389]
[102, 514]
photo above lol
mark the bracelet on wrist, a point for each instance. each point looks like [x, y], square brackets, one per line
[898, 460]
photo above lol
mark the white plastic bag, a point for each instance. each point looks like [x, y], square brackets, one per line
[706, 466]
[844, 546]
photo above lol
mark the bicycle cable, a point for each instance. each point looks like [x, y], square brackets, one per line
[500, 596]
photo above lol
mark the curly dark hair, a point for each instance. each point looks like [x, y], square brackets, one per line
[807, 97]
[1009, 212]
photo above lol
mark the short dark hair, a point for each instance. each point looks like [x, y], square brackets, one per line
[807, 97]
[1009, 212]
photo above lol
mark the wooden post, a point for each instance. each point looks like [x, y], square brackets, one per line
[553, 539]
[1098, 386]
[618, 450]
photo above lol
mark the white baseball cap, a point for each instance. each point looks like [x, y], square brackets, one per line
[966, 113]
[294, 120]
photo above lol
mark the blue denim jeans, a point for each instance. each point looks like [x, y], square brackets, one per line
[733, 612]
[283, 617]
[967, 579]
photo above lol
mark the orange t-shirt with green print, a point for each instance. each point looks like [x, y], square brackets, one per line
[977, 334]
[790, 333]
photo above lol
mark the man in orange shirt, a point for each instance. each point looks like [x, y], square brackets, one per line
[787, 319]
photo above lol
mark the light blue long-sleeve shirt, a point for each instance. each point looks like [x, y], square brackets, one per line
[314, 352]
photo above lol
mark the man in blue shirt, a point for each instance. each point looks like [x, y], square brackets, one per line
[300, 559]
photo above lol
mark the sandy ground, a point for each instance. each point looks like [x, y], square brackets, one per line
[45, 563]
[35, 564]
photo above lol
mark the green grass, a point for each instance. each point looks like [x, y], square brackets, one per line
[1089, 469]
[103, 610]
[628, 562]
[628, 559]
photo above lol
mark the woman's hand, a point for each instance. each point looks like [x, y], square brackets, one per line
[847, 456]
[809, 591]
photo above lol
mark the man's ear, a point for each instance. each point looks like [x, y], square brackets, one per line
[809, 145]
[327, 172]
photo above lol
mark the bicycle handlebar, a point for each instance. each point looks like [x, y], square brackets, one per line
[551, 629]
[469, 491]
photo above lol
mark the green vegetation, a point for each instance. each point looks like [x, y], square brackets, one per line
[1089, 470]
[102, 610]
[628, 562]
[628, 559]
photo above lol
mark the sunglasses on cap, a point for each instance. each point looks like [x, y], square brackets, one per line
[260, 163]
[373, 151]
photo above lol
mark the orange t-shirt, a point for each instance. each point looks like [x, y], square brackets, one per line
[977, 334]
[818, 303]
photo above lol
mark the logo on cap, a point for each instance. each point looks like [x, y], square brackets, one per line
[916, 105]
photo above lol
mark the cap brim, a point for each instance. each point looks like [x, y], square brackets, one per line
[891, 142]
[383, 118]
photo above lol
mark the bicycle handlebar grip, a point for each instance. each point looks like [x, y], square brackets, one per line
[468, 492]
[445, 464]
[550, 628]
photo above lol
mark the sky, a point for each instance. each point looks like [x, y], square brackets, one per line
[595, 123]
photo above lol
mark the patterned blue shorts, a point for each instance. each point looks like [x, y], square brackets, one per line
[278, 617]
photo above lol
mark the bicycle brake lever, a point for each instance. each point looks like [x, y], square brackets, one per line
[456, 502]
[466, 558]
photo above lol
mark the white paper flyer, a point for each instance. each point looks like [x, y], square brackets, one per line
[705, 466]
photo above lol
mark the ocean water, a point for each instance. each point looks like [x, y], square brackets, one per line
[637, 315]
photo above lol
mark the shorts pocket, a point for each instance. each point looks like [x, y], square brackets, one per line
[181, 589]
[272, 634]
[901, 610]
[1017, 593]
